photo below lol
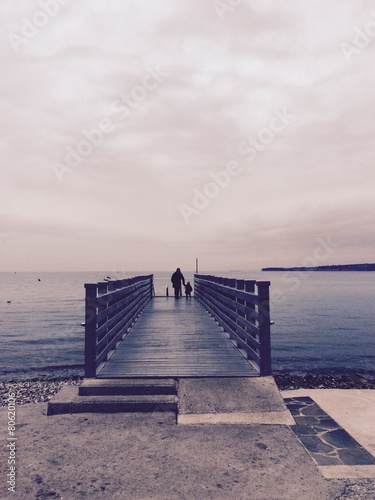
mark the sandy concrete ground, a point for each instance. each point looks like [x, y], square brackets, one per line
[138, 456]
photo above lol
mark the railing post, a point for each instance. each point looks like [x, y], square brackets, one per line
[197, 290]
[102, 301]
[250, 288]
[90, 330]
[240, 285]
[232, 285]
[102, 287]
[264, 327]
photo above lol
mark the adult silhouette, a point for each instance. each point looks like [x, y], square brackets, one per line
[177, 279]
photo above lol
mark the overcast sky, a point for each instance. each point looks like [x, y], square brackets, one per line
[139, 135]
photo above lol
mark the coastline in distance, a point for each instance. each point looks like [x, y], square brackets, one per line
[337, 267]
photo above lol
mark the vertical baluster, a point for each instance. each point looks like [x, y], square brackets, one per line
[232, 294]
[224, 292]
[240, 285]
[250, 304]
[102, 301]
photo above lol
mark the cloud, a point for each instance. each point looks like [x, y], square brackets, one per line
[223, 79]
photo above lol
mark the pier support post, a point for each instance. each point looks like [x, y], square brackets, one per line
[264, 327]
[90, 330]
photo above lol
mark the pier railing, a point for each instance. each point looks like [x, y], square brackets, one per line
[241, 308]
[112, 307]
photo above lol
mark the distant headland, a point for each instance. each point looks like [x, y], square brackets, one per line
[339, 267]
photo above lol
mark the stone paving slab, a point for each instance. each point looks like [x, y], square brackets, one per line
[325, 440]
[353, 409]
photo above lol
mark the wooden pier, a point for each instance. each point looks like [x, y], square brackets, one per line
[224, 331]
[142, 351]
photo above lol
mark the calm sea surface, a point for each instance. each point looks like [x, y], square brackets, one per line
[324, 321]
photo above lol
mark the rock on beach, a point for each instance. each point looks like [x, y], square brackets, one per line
[34, 391]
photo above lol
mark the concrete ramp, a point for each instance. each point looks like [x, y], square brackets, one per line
[231, 401]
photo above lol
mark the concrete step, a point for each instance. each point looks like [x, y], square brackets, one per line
[127, 387]
[67, 400]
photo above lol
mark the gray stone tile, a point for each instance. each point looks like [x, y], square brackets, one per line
[306, 421]
[326, 424]
[356, 456]
[314, 444]
[340, 439]
[313, 410]
[303, 430]
[324, 459]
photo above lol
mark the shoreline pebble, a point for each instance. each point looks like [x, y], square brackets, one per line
[289, 381]
[34, 391]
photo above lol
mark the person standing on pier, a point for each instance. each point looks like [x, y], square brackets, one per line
[188, 290]
[177, 278]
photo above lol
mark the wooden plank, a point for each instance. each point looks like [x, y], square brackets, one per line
[176, 338]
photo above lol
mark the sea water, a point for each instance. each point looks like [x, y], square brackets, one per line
[323, 321]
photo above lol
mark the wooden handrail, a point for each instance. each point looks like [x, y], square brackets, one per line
[241, 312]
[112, 307]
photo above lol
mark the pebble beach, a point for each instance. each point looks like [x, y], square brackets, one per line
[42, 390]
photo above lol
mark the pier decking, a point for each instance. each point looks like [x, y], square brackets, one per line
[176, 338]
